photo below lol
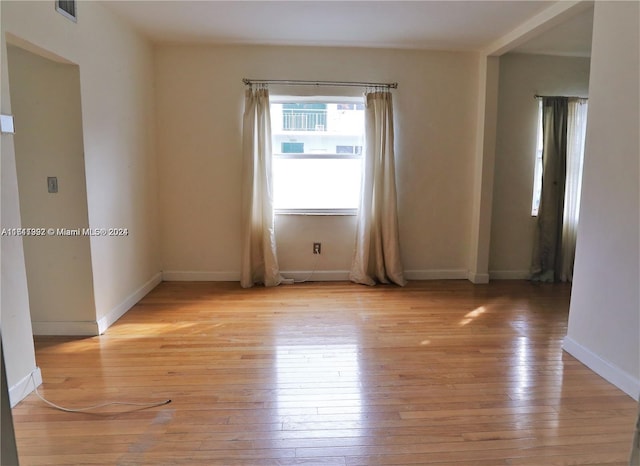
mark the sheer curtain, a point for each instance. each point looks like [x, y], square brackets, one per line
[576, 129]
[377, 255]
[259, 261]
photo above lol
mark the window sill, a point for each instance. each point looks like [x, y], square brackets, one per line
[322, 212]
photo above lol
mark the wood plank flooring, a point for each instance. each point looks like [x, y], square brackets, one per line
[436, 373]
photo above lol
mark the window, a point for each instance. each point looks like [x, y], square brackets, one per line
[354, 106]
[537, 173]
[292, 147]
[349, 150]
[304, 116]
[576, 127]
[317, 154]
[67, 8]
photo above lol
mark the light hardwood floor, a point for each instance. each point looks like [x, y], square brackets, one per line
[443, 373]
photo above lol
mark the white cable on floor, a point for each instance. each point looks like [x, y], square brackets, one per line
[101, 405]
[313, 270]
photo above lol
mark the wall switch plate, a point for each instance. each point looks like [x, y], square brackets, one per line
[52, 184]
[6, 124]
[317, 248]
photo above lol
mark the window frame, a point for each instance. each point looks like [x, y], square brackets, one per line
[328, 99]
[61, 7]
[538, 165]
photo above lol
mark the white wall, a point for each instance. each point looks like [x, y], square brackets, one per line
[117, 88]
[45, 100]
[521, 77]
[17, 339]
[200, 101]
[604, 317]
[118, 120]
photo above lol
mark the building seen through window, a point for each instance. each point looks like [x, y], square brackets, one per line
[317, 148]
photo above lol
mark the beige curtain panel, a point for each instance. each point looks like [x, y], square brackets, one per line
[377, 254]
[259, 259]
[576, 132]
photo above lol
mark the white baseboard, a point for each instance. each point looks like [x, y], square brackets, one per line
[509, 274]
[71, 328]
[185, 276]
[88, 328]
[343, 275]
[24, 387]
[624, 381]
[445, 274]
[477, 278]
[112, 316]
[317, 276]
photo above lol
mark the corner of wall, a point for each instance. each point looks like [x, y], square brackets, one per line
[478, 278]
[605, 369]
[487, 115]
[118, 311]
[21, 389]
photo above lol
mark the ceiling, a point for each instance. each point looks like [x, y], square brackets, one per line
[571, 38]
[440, 25]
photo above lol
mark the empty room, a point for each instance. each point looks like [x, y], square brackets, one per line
[320, 232]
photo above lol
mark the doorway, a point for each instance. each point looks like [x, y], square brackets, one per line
[46, 103]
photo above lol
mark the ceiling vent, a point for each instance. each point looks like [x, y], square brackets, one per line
[67, 8]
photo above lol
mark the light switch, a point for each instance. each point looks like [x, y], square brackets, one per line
[52, 184]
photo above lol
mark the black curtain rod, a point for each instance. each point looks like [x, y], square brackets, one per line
[536, 96]
[293, 82]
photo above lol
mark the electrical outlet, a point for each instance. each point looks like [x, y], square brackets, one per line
[317, 248]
